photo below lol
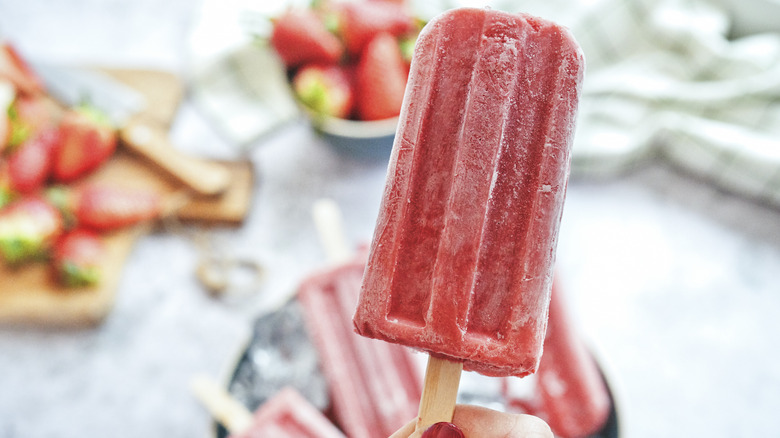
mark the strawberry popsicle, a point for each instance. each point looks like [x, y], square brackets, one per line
[461, 261]
[285, 415]
[289, 415]
[374, 386]
[571, 396]
[462, 256]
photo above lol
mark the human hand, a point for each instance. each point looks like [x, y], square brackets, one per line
[475, 421]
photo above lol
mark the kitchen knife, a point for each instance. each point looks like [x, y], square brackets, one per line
[124, 106]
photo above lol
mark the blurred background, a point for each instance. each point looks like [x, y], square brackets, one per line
[669, 244]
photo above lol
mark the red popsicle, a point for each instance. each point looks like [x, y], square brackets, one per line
[289, 415]
[572, 395]
[286, 415]
[374, 386]
[462, 257]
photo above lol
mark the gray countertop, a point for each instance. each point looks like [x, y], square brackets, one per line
[672, 281]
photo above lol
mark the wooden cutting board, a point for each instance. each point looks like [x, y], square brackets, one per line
[30, 297]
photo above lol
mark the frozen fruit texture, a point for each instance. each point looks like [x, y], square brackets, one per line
[463, 250]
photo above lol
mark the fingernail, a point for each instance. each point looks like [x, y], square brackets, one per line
[443, 430]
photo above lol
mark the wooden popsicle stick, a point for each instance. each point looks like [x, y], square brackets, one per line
[440, 392]
[151, 142]
[223, 407]
[330, 229]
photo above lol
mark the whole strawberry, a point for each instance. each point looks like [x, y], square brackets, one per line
[300, 37]
[29, 227]
[380, 79]
[77, 258]
[87, 140]
[325, 89]
[359, 22]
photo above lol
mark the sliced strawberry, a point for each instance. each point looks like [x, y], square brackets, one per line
[29, 165]
[326, 89]
[102, 207]
[16, 70]
[360, 22]
[87, 141]
[28, 229]
[300, 37]
[380, 79]
[30, 115]
[77, 258]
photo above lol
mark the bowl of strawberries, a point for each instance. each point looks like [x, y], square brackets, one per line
[348, 62]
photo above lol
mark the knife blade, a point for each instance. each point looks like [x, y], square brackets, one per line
[73, 86]
[124, 106]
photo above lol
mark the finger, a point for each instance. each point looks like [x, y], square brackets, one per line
[477, 421]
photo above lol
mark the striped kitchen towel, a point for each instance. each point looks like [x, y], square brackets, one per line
[665, 78]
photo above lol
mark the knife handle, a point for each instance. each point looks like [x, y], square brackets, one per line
[151, 141]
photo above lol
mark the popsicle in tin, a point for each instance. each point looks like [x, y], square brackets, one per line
[571, 396]
[374, 386]
[289, 415]
[285, 415]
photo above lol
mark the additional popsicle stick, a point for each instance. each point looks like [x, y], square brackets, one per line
[328, 221]
[442, 377]
[440, 392]
[202, 176]
[223, 407]
[162, 93]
